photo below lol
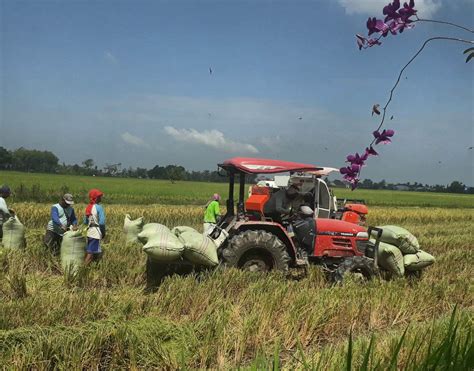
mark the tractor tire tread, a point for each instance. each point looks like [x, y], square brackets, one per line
[245, 241]
[356, 263]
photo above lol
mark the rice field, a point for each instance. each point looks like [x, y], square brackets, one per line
[49, 187]
[227, 319]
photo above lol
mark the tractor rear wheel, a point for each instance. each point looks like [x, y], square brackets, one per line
[358, 266]
[256, 251]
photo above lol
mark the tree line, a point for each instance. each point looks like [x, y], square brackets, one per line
[454, 187]
[32, 160]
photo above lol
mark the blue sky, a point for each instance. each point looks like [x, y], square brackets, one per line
[129, 82]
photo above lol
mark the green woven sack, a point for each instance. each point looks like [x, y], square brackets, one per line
[199, 249]
[162, 245]
[150, 230]
[399, 237]
[132, 228]
[418, 261]
[13, 234]
[180, 229]
[390, 258]
[73, 250]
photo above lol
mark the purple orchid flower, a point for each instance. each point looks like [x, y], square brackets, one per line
[357, 159]
[384, 136]
[377, 26]
[351, 175]
[407, 11]
[351, 172]
[396, 27]
[391, 10]
[363, 42]
[371, 23]
[372, 42]
[382, 27]
[370, 151]
[354, 184]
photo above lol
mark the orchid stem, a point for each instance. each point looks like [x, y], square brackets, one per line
[444, 22]
[405, 67]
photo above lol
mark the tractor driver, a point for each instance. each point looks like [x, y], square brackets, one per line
[280, 203]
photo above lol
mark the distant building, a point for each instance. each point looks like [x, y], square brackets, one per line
[401, 187]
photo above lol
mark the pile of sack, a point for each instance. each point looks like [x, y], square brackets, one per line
[399, 251]
[166, 246]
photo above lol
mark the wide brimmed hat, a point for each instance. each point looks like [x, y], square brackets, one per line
[68, 199]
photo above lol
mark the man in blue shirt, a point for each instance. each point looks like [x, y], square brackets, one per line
[62, 218]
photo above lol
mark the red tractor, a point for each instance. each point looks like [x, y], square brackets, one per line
[254, 242]
[248, 239]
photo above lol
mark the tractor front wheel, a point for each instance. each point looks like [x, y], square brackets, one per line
[256, 251]
[359, 267]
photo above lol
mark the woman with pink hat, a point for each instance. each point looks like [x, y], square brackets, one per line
[212, 214]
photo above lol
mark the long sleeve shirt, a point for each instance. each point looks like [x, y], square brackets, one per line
[95, 221]
[4, 212]
[61, 218]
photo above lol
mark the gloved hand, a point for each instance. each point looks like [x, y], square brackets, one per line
[102, 230]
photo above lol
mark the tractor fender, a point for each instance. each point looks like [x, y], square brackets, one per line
[271, 227]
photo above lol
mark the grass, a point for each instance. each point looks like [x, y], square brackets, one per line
[101, 317]
[49, 188]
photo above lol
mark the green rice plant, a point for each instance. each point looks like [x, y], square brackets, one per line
[17, 283]
[227, 319]
[50, 187]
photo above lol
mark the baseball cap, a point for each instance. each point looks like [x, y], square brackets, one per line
[68, 199]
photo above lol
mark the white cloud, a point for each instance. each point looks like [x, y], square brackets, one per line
[270, 142]
[109, 57]
[426, 8]
[133, 140]
[211, 138]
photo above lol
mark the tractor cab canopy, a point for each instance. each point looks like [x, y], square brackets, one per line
[249, 165]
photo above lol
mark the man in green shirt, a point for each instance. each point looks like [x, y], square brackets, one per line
[212, 214]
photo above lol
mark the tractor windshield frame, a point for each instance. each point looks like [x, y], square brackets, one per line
[245, 165]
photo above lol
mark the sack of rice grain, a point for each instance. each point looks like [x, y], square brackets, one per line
[132, 228]
[180, 229]
[13, 234]
[418, 261]
[390, 258]
[199, 249]
[151, 229]
[399, 237]
[161, 245]
[73, 250]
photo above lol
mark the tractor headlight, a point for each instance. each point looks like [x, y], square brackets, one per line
[363, 235]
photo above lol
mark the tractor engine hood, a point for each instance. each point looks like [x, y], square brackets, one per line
[335, 227]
